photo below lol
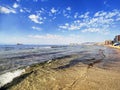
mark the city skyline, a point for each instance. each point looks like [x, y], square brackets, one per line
[58, 21]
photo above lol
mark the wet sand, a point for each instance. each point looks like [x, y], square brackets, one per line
[117, 47]
[84, 71]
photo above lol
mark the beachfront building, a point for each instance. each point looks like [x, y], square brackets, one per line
[108, 42]
[117, 39]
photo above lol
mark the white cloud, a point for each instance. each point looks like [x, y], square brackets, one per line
[104, 30]
[66, 13]
[56, 39]
[36, 18]
[106, 4]
[107, 14]
[70, 27]
[27, 10]
[15, 5]
[86, 15]
[68, 8]
[43, 39]
[91, 30]
[24, 10]
[76, 15]
[53, 10]
[97, 25]
[99, 22]
[100, 13]
[36, 28]
[118, 19]
[76, 25]
[41, 11]
[6, 10]
[21, 10]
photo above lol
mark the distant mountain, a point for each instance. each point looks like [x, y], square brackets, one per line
[88, 43]
[19, 44]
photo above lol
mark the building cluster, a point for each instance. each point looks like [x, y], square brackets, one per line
[114, 42]
[117, 39]
[108, 42]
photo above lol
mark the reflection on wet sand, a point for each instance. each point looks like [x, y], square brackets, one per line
[89, 61]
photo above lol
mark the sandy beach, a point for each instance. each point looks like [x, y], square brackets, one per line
[117, 47]
[59, 44]
[73, 72]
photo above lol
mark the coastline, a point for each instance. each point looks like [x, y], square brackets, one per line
[117, 47]
[67, 73]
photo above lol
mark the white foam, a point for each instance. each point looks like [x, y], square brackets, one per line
[9, 76]
[47, 47]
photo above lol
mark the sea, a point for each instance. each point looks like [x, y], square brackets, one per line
[14, 57]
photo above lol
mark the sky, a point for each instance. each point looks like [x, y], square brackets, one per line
[58, 21]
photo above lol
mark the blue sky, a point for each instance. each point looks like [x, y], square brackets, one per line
[58, 21]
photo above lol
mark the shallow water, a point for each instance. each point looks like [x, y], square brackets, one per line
[16, 56]
[23, 55]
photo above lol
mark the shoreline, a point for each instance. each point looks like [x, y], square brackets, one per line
[67, 73]
[28, 70]
[116, 47]
[21, 71]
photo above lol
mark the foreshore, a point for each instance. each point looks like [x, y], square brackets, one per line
[73, 72]
[117, 47]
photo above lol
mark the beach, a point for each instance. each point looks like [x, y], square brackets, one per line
[96, 68]
[59, 45]
[117, 47]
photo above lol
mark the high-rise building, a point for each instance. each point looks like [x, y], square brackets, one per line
[117, 39]
[108, 42]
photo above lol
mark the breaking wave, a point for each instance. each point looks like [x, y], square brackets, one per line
[9, 76]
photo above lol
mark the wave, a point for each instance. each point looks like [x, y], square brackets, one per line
[47, 47]
[9, 76]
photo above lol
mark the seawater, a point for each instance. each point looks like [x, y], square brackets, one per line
[14, 57]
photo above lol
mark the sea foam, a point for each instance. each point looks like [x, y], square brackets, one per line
[9, 76]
